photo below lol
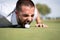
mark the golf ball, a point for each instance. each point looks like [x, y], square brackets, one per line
[27, 26]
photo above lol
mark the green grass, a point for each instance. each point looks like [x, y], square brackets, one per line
[33, 33]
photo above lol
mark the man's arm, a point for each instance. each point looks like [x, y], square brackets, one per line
[39, 22]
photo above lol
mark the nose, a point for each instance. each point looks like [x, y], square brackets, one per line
[29, 19]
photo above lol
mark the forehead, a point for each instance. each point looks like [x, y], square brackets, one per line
[28, 9]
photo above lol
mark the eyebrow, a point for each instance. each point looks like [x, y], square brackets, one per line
[32, 15]
[26, 15]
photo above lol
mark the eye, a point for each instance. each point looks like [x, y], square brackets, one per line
[32, 15]
[25, 15]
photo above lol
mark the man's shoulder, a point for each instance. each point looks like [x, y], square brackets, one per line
[4, 21]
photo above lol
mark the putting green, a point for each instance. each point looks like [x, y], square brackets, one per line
[33, 33]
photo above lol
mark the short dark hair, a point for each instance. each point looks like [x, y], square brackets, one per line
[23, 2]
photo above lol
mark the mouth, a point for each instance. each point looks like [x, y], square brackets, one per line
[27, 22]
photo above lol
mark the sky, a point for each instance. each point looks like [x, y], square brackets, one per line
[8, 5]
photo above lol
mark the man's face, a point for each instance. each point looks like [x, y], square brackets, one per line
[26, 15]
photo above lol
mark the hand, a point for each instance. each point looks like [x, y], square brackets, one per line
[41, 25]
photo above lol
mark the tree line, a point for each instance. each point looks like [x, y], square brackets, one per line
[43, 9]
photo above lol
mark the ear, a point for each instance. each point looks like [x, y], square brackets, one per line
[16, 13]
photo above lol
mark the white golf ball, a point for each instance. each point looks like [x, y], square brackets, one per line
[27, 26]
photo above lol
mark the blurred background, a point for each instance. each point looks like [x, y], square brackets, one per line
[49, 8]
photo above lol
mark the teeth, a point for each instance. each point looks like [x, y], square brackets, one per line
[27, 26]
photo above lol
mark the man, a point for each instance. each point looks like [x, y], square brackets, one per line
[24, 13]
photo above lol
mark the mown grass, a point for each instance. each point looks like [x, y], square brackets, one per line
[33, 33]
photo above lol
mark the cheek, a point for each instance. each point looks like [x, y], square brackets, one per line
[32, 18]
[24, 18]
